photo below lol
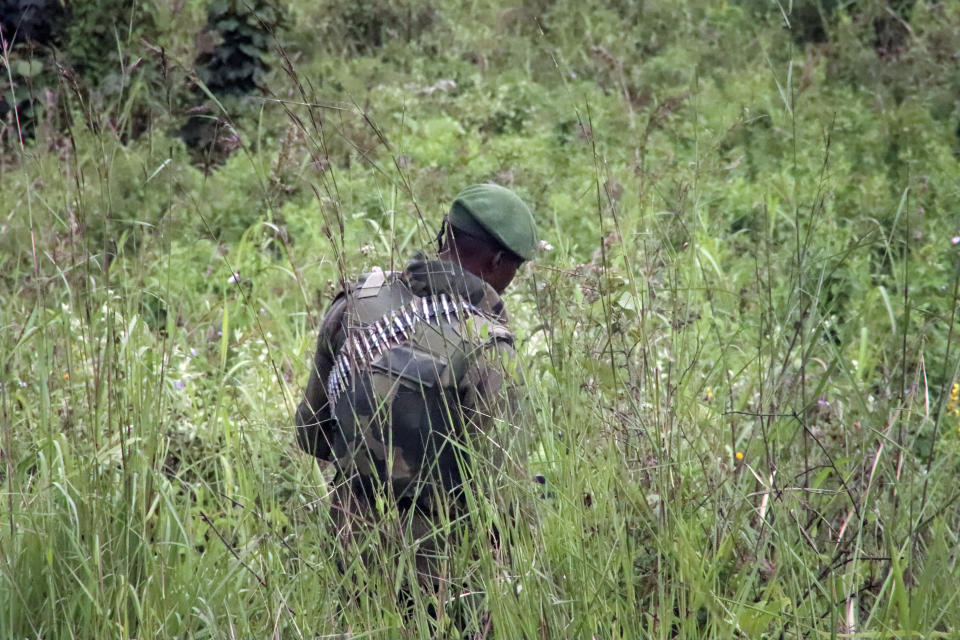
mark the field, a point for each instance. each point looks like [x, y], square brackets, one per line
[740, 337]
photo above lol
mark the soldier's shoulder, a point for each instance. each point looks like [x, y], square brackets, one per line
[493, 305]
[365, 284]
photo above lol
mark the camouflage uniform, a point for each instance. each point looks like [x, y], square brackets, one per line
[409, 368]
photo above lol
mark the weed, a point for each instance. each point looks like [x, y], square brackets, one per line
[740, 348]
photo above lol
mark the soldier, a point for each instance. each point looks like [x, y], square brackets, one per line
[414, 371]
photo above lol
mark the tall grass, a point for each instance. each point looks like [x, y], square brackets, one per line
[739, 352]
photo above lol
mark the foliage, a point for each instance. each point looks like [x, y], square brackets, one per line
[741, 346]
[37, 21]
[236, 63]
[367, 25]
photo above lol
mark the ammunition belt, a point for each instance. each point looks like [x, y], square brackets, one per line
[364, 345]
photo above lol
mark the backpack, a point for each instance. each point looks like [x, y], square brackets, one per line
[395, 390]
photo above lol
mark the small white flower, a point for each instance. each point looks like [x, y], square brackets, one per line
[955, 240]
[235, 278]
[545, 246]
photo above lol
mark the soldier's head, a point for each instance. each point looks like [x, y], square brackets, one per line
[490, 232]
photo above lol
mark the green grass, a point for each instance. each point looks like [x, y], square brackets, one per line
[740, 349]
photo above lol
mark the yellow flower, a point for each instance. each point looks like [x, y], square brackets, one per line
[66, 376]
[739, 455]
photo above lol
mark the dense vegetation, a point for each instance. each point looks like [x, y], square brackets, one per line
[740, 337]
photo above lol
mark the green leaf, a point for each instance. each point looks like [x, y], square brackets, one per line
[28, 68]
[250, 50]
[227, 24]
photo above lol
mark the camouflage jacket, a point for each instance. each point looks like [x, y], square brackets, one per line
[396, 410]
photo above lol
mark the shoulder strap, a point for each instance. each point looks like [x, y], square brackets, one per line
[372, 283]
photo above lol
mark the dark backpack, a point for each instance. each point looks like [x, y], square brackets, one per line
[395, 388]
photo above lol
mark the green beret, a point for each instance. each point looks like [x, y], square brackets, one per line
[489, 209]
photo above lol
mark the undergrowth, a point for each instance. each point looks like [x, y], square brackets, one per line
[740, 336]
